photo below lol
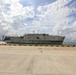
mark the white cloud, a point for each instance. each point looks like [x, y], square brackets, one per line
[52, 18]
[10, 1]
[11, 15]
[70, 31]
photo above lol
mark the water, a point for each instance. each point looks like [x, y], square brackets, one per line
[69, 43]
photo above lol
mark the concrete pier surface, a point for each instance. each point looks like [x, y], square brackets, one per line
[37, 60]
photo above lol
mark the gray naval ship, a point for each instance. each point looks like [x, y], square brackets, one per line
[35, 39]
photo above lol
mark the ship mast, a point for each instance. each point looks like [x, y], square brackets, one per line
[35, 31]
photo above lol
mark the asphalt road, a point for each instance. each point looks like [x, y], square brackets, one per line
[30, 60]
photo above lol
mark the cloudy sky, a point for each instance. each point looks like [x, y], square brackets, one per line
[54, 17]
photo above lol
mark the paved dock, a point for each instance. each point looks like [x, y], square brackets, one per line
[37, 60]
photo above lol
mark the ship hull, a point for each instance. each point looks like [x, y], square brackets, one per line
[36, 42]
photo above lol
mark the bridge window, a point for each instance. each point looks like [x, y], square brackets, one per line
[37, 37]
[44, 34]
[21, 37]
